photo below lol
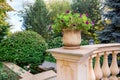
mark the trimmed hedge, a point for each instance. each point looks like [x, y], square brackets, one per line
[24, 48]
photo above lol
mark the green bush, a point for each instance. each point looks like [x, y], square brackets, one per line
[84, 42]
[23, 48]
[53, 43]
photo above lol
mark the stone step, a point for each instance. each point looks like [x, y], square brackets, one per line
[24, 75]
[16, 69]
[48, 75]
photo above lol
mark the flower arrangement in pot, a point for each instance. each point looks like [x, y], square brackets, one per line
[71, 24]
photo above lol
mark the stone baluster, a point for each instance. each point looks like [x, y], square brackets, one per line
[91, 75]
[76, 64]
[105, 67]
[97, 68]
[114, 67]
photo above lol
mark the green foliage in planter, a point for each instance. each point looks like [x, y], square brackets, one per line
[23, 48]
[72, 21]
[6, 74]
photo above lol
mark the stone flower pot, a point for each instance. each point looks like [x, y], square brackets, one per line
[71, 38]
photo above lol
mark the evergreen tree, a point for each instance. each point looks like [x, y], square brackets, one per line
[111, 20]
[4, 7]
[36, 18]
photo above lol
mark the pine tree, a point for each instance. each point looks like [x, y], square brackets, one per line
[36, 18]
[111, 20]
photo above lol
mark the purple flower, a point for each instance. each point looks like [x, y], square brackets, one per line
[67, 11]
[87, 14]
[87, 22]
[92, 23]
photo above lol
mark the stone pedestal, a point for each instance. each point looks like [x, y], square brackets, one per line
[72, 64]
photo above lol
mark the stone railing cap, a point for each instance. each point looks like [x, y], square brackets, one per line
[79, 52]
[83, 51]
[103, 45]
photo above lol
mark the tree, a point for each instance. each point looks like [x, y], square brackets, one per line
[4, 26]
[91, 8]
[36, 18]
[56, 7]
[40, 16]
[111, 19]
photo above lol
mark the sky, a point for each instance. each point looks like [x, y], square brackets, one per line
[14, 19]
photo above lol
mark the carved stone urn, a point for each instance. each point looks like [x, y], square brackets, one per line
[71, 38]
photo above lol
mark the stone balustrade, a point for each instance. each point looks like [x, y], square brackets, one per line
[77, 64]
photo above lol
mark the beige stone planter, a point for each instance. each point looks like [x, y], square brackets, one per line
[71, 39]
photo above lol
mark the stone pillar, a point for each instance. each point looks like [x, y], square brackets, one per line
[72, 64]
